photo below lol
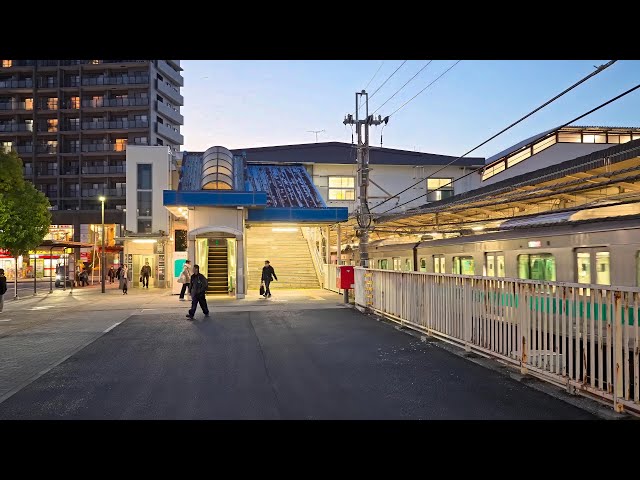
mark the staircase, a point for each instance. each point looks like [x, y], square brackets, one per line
[217, 274]
[288, 253]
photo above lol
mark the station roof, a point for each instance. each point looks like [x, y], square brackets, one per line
[345, 153]
[606, 180]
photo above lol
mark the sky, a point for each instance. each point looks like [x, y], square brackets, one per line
[256, 103]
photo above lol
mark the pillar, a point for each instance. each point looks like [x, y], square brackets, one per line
[339, 246]
[240, 262]
[328, 244]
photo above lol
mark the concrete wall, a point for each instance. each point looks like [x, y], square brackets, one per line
[160, 159]
[393, 179]
[557, 153]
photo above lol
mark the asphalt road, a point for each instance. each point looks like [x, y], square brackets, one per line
[300, 364]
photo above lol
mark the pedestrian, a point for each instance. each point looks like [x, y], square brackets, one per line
[198, 290]
[268, 275]
[185, 279]
[111, 273]
[118, 272]
[84, 277]
[124, 280]
[3, 288]
[145, 273]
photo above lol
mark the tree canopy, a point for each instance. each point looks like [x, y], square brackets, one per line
[24, 211]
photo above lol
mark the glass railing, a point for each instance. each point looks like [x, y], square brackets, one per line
[104, 147]
[116, 102]
[16, 127]
[103, 170]
[125, 80]
[49, 149]
[115, 124]
[16, 84]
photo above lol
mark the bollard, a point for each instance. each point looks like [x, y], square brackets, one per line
[346, 295]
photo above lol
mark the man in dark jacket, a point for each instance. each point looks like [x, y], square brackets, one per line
[145, 273]
[198, 289]
[3, 288]
[268, 274]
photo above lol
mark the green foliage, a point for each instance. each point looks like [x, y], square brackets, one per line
[24, 211]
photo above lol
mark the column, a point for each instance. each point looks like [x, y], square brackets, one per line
[240, 280]
[328, 244]
[339, 246]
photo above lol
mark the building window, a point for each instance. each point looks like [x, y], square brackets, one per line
[342, 188]
[145, 204]
[144, 176]
[52, 125]
[121, 144]
[75, 102]
[28, 103]
[439, 189]
[7, 63]
[144, 226]
[52, 103]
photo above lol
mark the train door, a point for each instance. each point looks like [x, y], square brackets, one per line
[494, 264]
[438, 264]
[463, 266]
[593, 265]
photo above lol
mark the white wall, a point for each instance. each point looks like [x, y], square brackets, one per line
[160, 159]
[557, 153]
[393, 179]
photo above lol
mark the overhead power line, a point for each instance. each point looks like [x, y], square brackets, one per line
[597, 71]
[398, 91]
[438, 78]
[388, 78]
[480, 168]
[374, 76]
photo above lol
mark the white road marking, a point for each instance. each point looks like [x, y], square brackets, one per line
[6, 320]
[112, 326]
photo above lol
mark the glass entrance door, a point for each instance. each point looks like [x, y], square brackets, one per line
[138, 262]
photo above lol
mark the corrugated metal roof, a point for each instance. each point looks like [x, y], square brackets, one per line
[191, 171]
[286, 186]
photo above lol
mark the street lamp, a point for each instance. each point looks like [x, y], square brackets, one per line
[103, 258]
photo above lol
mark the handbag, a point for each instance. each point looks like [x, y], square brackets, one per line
[140, 277]
[262, 289]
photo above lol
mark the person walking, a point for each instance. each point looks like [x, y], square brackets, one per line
[118, 272]
[145, 273]
[268, 275]
[124, 280]
[3, 288]
[198, 290]
[111, 273]
[185, 279]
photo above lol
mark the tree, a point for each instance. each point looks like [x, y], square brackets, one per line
[24, 211]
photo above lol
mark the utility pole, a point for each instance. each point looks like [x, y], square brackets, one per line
[363, 215]
[316, 132]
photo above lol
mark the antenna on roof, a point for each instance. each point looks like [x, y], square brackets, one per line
[316, 132]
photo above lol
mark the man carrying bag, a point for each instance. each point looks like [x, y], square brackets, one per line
[198, 290]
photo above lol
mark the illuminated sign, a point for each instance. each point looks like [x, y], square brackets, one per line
[535, 243]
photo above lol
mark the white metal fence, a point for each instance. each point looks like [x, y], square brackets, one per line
[330, 277]
[582, 337]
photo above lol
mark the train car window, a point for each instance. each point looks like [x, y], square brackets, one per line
[583, 264]
[490, 265]
[423, 264]
[383, 264]
[408, 265]
[603, 272]
[396, 263]
[463, 265]
[540, 267]
[438, 264]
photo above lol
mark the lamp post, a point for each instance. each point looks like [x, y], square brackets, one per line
[103, 257]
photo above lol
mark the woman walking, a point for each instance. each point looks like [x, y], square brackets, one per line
[124, 280]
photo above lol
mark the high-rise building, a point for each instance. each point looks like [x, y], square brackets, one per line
[71, 121]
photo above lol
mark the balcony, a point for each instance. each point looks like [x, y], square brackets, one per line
[21, 149]
[168, 71]
[47, 149]
[45, 83]
[15, 106]
[103, 147]
[16, 83]
[175, 64]
[27, 172]
[16, 127]
[169, 113]
[70, 127]
[109, 192]
[71, 170]
[170, 92]
[116, 102]
[118, 124]
[169, 133]
[47, 63]
[19, 64]
[124, 80]
[102, 170]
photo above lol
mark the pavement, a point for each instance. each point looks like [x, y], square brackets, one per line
[302, 354]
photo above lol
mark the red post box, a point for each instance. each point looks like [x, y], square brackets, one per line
[345, 277]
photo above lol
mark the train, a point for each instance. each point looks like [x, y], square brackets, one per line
[600, 251]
